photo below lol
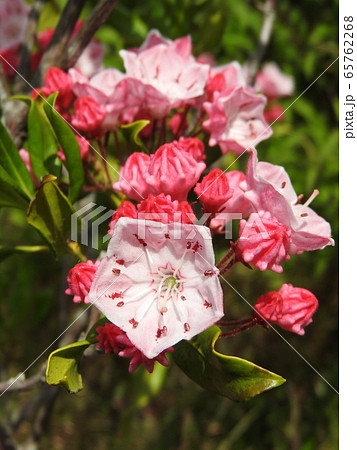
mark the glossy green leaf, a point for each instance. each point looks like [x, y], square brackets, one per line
[229, 376]
[62, 366]
[50, 213]
[13, 165]
[70, 147]
[7, 251]
[42, 142]
[9, 196]
[92, 333]
[131, 134]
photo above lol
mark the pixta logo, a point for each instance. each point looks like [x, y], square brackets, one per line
[88, 221]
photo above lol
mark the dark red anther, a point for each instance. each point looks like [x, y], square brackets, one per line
[120, 304]
[207, 304]
[133, 322]
[116, 271]
[187, 327]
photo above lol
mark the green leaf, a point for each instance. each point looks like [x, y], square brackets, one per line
[42, 143]
[92, 333]
[69, 145]
[50, 213]
[62, 366]
[13, 165]
[7, 251]
[131, 134]
[10, 196]
[229, 376]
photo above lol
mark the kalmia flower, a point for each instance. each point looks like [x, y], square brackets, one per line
[56, 80]
[80, 279]
[214, 190]
[237, 204]
[194, 147]
[168, 72]
[235, 120]
[273, 83]
[162, 209]
[133, 177]
[264, 241]
[88, 116]
[173, 171]
[126, 209]
[268, 188]
[291, 308]
[158, 283]
[114, 340]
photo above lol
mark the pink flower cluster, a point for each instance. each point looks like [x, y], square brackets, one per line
[158, 283]
[164, 81]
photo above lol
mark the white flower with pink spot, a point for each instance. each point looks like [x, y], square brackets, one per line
[158, 283]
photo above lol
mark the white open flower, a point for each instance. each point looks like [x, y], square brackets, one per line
[158, 283]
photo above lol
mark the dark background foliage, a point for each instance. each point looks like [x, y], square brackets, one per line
[166, 410]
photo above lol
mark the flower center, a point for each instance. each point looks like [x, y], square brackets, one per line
[170, 282]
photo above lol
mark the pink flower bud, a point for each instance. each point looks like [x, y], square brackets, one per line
[264, 241]
[194, 147]
[291, 308]
[56, 80]
[162, 209]
[126, 209]
[80, 279]
[25, 156]
[88, 116]
[178, 123]
[173, 171]
[133, 177]
[214, 190]
[114, 340]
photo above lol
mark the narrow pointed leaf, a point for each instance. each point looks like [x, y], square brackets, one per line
[131, 134]
[70, 147]
[13, 165]
[63, 366]
[42, 142]
[50, 213]
[230, 376]
[7, 251]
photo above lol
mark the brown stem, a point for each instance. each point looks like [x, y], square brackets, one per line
[118, 148]
[182, 122]
[236, 331]
[24, 67]
[23, 385]
[225, 258]
[96, 19]
[103, 154]
[233, 323]
[60, 40]
[264, 39]
[4, 88]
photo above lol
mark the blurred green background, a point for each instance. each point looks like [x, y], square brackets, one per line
[166, 410]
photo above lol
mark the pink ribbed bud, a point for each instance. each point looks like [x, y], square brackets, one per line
[291, 308]
[162, 209]
[173, 171]
[126, 209]
[80, 279]
[214, 190]
[264, 241]
[133, 177]
[114, 340]
[58, 81]
[194, 147]
[88, 116]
